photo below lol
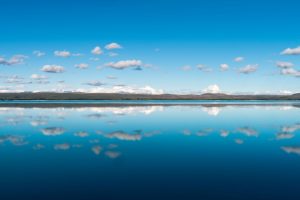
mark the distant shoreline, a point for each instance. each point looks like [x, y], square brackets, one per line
[70, 96]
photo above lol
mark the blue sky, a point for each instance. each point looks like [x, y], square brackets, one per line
[151, 46]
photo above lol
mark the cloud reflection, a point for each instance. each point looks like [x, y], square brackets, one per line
[52, 131]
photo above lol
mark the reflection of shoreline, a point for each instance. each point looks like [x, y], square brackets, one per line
[142, 104]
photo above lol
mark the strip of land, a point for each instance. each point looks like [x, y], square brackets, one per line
[121, 96]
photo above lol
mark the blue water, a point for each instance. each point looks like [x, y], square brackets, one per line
[151, 152]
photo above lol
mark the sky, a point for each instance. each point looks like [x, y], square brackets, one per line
[153, 47]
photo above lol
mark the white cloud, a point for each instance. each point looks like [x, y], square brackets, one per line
[186, 68]
[291, 51]
[203, 68]
[123, 89]
[63, 53]
[248, 69]
[97, 51]
[39, 53]
[82, 66]
[15, 79]
[53, 68]
[239, 59]
[224, 67]
[283, 64]
[14, 60]
[290, 71]
[212, 89]
[123, 64]
[113, 46]
[38, 77]
[94, 83]
[285, 92]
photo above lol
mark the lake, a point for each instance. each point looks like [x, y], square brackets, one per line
[150, 150]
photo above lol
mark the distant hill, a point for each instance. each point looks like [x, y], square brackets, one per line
[121, 96]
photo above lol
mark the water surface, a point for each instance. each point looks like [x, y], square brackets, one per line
[206, 150]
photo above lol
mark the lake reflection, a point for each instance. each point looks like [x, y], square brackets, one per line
[150, 152]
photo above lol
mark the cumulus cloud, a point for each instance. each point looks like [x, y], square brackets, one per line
[15, 79]
[52, 131]
[38, 53]
[38, 77]
[63, 53]
[212, 89]
[97, 50]
[53, 68]
[224, 67]
[123, 89]
[123, 64]
[113, 46]
[248, 69]
[14, 60]
[82, 66]
[291, 51]
[284, 65]
[203, 68]
[239, 59]
[290, 71]
[94, 83]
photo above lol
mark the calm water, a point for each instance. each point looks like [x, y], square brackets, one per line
[150, 152]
